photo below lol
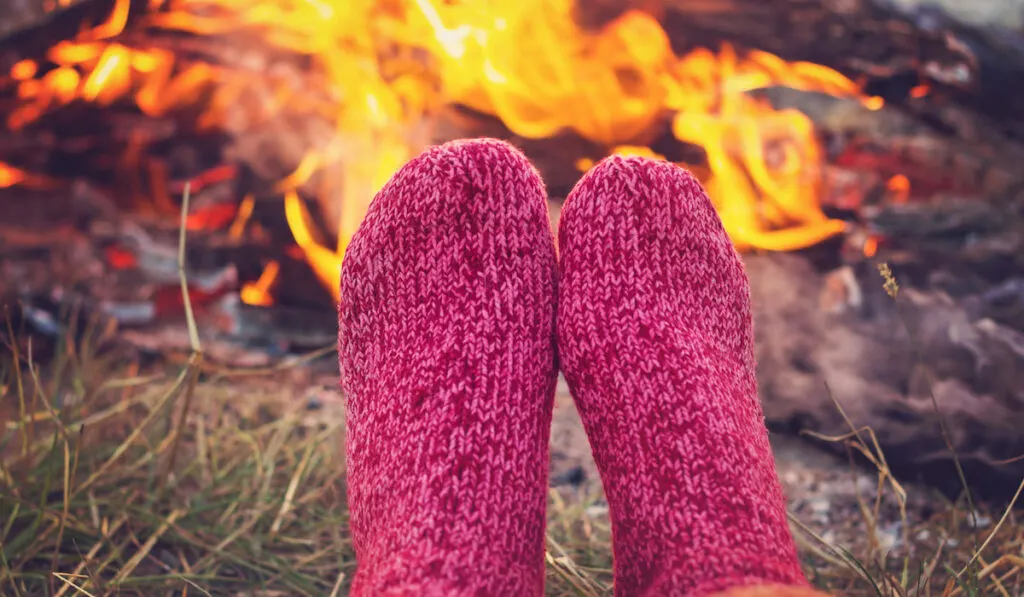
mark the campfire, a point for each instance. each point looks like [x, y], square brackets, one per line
[824, 157]
[377, 72]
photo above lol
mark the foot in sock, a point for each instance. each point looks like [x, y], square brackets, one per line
[446, 345]
[656, 342]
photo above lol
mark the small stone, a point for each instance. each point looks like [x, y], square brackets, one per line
[979, 520]
[890, 536]
[574, 477]
[819, 508]
[867, 485]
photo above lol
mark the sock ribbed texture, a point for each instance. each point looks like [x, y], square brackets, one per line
[656, 342]
[446, 345]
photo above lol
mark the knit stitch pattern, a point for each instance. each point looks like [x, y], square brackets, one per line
[447, 352]
[656, 341]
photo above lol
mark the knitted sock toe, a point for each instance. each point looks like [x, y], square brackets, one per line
[447, 355]
[655, 338]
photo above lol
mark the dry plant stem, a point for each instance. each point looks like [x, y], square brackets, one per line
[70, 468]
[336, 590]
[195, 360]
[193, 331]
[995, 529]
[834, 556]
[77, 573]
[878, 459]
[892, 289]
[220, 374]
[938, 413]
[147, 547]
[188, 376]
[926, 576]
[566, 568]
[293, 486]
[870, 515]
[838, 555]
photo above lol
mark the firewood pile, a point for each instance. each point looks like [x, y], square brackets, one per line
[930, 184]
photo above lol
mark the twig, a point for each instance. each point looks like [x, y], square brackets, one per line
[193, 331]
[193, 367]
[892, 289]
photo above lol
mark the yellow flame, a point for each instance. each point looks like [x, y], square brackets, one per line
[326, 263]
[10, 176]
[899, 186]
[379, 69]
[24, 69]
[245, 210]
[258, 292]
[115, 22]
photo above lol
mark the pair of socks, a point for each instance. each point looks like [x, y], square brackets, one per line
[454, 315]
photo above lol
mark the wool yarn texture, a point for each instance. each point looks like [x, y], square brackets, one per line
[447, 354]
[656, 341]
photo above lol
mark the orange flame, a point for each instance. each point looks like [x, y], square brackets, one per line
[899, 187]
[609, 86]
[258, 292]
[10, 176]
[871, 246]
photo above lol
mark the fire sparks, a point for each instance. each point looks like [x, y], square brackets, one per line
[383, 68]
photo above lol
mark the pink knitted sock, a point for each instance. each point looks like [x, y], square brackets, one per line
[654, 332]
[447, 354]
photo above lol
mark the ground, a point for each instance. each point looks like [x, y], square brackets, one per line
[184, 478]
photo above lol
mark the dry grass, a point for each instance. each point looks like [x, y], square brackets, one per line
[109, 487]
[198, 481]
[191, 480]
